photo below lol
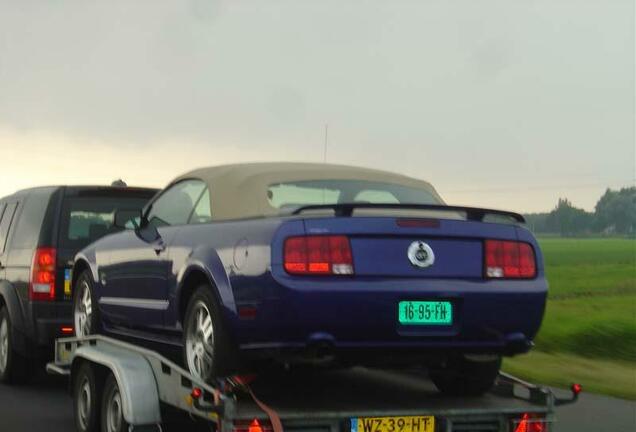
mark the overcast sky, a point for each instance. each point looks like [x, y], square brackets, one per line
[508, 104]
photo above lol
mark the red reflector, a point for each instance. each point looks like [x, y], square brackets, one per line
[318, 255]
[531, 423]
[255, 425]
[247, 312]
[42, 283]
[576, 389]
[509, 259]
[67, 330]
[196, 393]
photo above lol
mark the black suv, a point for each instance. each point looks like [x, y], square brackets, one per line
[41, 230]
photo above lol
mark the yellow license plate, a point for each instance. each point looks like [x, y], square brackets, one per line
[393, 424]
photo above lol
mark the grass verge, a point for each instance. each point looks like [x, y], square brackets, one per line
[613, 378]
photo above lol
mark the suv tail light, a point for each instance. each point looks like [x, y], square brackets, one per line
[42, 283]
[509, 260]
[318, 255]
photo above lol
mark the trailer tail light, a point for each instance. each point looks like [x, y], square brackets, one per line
[42, 283]
[530, 423]
[509, 260]
[318, 255]
[255, 425]
[196, 393]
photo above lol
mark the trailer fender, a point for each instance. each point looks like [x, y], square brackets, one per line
[134, 376]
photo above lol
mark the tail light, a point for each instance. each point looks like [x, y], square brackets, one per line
[318, 255]
[42, 283]
[509, 260]
[530, 423]
[255, 425]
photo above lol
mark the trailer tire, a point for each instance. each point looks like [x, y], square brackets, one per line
[14, 368]
[196, 341]
[86, 406]
[112, 408]
[463, 376]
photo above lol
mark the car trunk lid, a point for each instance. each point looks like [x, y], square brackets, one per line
[414, 247]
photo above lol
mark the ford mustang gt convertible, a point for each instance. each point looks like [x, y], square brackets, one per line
[313, 263]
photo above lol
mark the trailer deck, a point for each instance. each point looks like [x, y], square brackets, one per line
[307, 400]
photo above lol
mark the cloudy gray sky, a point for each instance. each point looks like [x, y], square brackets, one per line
[507, 104]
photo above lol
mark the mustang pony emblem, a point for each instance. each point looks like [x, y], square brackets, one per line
[420, 254]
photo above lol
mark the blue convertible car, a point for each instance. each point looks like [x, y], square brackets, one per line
[316, 263]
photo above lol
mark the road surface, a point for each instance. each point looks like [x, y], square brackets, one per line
[44, 405]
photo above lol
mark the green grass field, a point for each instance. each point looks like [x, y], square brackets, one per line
[589, 329]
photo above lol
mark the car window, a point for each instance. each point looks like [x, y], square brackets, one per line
[5, 224]
[202, 212]
[376, 197]
[301, 193]
[85, 219]
[175, 205]
[29, 225]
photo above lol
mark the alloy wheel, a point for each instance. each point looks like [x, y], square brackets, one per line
[83, 311]
[200, 342]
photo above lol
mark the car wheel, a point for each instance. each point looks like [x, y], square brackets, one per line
[112, 408]
[467, 375]
[86, 400]
[206, 350]
[14, 368]
[85, 311]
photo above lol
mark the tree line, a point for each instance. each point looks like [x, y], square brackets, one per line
[614, 214]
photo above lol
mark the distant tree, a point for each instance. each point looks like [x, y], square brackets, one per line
[568, 220]
[537, 222]
[616, 211]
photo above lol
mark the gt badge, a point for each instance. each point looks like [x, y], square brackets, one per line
[420, 254]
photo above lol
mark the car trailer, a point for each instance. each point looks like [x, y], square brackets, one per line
[117, 386]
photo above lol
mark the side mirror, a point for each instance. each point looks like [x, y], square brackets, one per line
[127, 219]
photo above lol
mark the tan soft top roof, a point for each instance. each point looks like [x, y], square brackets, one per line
[240, 190]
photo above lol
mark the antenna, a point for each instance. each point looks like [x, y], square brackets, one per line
[324, 159]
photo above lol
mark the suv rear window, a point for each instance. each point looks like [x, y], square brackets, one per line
[86, 219]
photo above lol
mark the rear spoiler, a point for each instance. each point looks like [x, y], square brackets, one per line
[472, 213]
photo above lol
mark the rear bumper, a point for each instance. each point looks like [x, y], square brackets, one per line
[45, 325]
[361, 315]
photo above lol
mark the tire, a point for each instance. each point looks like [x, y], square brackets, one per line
[112, 408]
[14, 368]
[210, 345]
[466, 376]
[85, 323]
[86, 396]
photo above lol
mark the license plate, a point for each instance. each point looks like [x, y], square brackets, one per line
[393, 424]
[425, 312]
[67, 282]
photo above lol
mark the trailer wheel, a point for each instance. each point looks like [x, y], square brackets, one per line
[466, 376]
[112, 408]
[86, 399]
